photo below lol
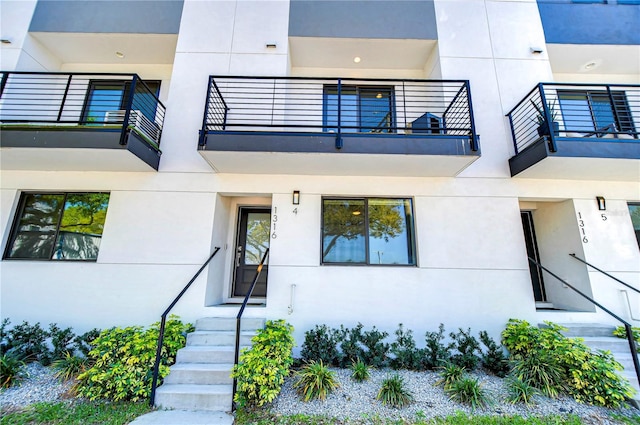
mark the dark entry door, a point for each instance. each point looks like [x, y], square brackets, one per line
[252, 242]
[532, 252]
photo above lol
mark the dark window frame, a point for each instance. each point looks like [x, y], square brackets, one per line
[617, 100]
[125, 88]
[411, 231]
[635, 231]
[22, 203]
[357, 90]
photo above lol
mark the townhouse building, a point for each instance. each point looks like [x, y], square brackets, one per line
[401, 160]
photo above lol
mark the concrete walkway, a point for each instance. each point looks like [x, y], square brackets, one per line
[184, 417]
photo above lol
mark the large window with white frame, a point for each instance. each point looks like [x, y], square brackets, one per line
[368, 231]
[58, 226]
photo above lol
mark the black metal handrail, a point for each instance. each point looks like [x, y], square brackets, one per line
[163, 320]
[91, 101]
[627, 325]
[556, 111]
[238, 323]
[428, 108]
[605, 273]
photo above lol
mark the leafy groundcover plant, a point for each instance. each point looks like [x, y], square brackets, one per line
[263, 367]
[315, 381]
[123, 358]
[551, 362]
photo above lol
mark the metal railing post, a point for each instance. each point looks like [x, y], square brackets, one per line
[127, 110]
[236, 356]
[632, 344]
[163, 317]
[64, 97]
[339, 142]
[547, 115]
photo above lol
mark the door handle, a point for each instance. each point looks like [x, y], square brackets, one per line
[238, 255]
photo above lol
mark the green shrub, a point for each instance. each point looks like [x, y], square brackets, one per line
[520, 391]
[376, 350]
[494, 360]
[393, 392]
[83, 343]
[61, 340]
[404, 351]
[11, 365]
[466, 346]
[28, 342]
[359, 371]
[315, 381]
[351, 348]
[450, 373]
[551, 362]
[123, 360]
[468, 391]
[69, 366]
[436, 354]
[320, 345]
[263, 367]
[621, 332]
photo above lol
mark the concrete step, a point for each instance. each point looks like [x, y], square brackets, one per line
[206, 354]
[200, 373]
[184, 417]
[219, 338]
[613, 344]
[586, 330]
[194, 397]
[228, 324]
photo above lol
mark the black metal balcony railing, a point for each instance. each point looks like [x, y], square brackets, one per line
[89, 101]
[556, 111]
[440, 108]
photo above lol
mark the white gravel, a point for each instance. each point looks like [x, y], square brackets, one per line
[39, 385]
[357, 401]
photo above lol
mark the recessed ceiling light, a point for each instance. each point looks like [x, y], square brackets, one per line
[356, 213]
[357, 59]
[379, 96]
[120, 55]
[591, 65]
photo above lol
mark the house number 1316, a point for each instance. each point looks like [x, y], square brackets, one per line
[274, 220]
[582, 230]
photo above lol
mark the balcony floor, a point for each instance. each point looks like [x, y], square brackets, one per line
[316, 154]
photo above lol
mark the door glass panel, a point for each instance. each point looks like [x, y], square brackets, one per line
[576, 113]
[389, 235]
[602, 111]
[257, 242]
[343, 231]
[348, 111]
[103, 97]
[375, 110]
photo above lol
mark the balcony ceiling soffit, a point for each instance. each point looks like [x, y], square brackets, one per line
[608, 59]
[102, 48]
[325, 52]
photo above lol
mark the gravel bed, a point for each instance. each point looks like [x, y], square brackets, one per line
[39, 385]
[353, 400]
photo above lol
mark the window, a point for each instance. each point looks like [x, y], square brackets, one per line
[365, 109]
[58, 226]
[106, 97]
[634, 211]
[595, 111]
[367, 231]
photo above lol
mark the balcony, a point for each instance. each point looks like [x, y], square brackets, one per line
[343, 126]
[594, 132]
[79, 122]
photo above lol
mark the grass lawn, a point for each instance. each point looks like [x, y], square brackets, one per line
[81, 413]
[246, 417]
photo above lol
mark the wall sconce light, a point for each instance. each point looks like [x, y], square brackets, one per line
[536, 50]
[602, 205]
[296, 197]
[271, 45]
